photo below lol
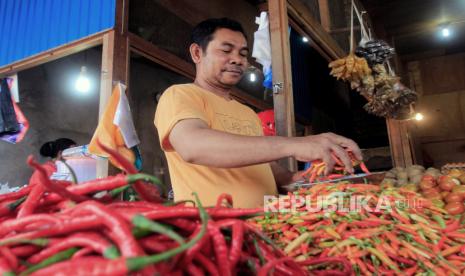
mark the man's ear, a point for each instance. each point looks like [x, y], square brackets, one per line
[196, 52]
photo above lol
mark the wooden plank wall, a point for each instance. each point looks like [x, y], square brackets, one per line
[440, 83]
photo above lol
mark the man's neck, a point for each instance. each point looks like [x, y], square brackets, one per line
[224, 92]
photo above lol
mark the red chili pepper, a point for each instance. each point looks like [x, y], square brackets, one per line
[9, 256]
[364, 168]
[194, 270]
[145, 191]
[220, 248]
[82, 252]
[25, 250]
[17, 224]
[156, 246]
[452, 226]
[270, 256]
[268, 266]
[50, 185]
[31, 201]
[64, 227]
[15, 195]
[411, 270]
[193, 251]
[86, 266]
[5, 267]
[236, 243]
[98, 185]
[136, 204]
[183, 224]
[401, 259]
[121, 266]
[86, 240]
[8, 206]
[347, 267]
[191, 212]
[116, 224]
[207, 264]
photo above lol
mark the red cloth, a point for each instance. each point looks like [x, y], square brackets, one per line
[268, 124]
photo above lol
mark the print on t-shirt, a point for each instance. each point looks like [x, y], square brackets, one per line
[236, 126]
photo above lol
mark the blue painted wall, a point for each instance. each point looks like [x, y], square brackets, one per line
[29, 27]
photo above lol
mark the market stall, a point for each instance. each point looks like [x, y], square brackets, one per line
[408, 220]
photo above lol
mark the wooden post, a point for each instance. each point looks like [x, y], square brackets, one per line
[106, 77]
[399, 141]
[325, 17]
[121, 43]
[115, 65]
[398, 132]
[282, 77]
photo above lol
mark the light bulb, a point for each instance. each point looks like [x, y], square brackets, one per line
[305, 39]
[82, 83]
[445, 32]
[419, 116]
[252, 77]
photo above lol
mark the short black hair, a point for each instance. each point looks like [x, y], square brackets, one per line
[203, 32]
[51, 149]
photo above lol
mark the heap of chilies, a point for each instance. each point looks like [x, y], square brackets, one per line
[316, 171]
[405, 235]
[59, 228]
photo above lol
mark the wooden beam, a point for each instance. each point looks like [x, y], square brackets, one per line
[161, 56]
[121, 43]
[53, 54]
[106, 83]
[406, 142]
[106, 73]
[115, 68]
[395, 143]
[263, 7]
[282, 76]
[399, 141]
[314, 45]
[343, 30]
[302, 16]
[325, 15]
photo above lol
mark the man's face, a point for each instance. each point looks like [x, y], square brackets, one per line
[225, 59]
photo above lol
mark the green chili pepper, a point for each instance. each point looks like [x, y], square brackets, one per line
[63, 255]
[137, 263]
[38, 242]
[113, 193]
[111, 252]
[259, 252]
[296, 242]
[144, 223]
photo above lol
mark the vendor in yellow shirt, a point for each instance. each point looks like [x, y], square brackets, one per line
[215, 144]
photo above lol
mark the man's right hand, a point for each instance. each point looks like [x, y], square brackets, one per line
[321, 146]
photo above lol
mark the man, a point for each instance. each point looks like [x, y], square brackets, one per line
[213, 143]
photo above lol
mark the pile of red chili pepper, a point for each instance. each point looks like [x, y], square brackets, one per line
[412, 237]
[316, 171]
[60, 228]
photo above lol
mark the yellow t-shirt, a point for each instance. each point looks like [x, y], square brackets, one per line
[247, 185]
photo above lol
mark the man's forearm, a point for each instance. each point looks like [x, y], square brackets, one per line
[196, 143]
[219, 149]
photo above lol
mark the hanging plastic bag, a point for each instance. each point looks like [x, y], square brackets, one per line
[262, 48]
[13, 123]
